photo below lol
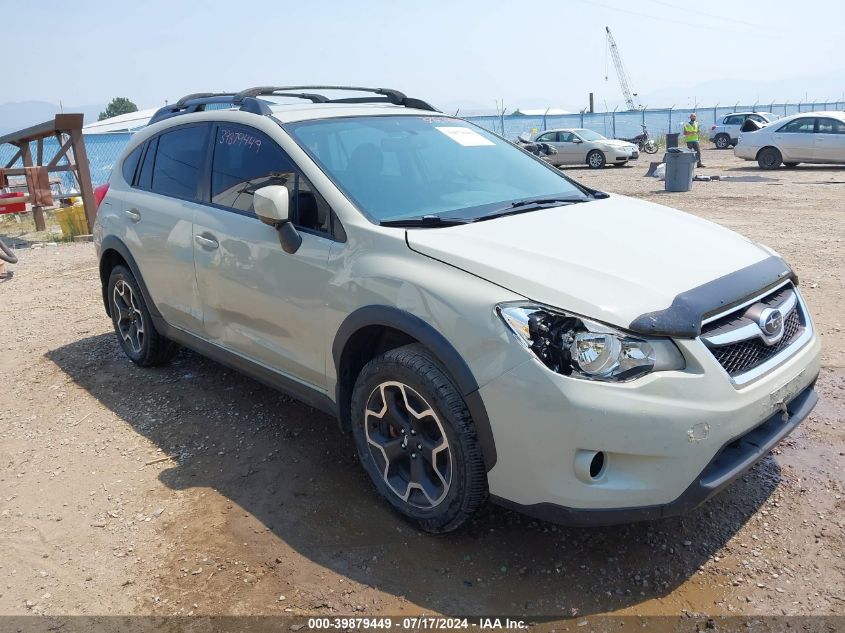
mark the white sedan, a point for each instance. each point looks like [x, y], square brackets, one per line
[807, 137]
[580, 146]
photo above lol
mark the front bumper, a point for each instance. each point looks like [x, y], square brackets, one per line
[670, 440]
[734, 459]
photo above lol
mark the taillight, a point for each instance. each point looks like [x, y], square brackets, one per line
[100, 193]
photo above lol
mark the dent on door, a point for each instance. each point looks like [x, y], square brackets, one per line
[261, 302]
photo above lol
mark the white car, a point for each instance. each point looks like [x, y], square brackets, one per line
[580, 146]
[807, 137]
[481, 326]
[726, 132]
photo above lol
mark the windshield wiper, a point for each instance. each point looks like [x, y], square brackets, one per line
[424, 221]
[524, 206]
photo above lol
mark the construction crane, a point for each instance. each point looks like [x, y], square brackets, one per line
[624, 82]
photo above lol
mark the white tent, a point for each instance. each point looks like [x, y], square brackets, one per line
[540, 111]
[122, 123]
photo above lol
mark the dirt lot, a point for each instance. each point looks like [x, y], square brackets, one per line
[191, 489]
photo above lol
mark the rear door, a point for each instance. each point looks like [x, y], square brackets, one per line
[795, 140]
[259, 301]
[159, 211]
[830, 140]
[732, 123]
[551, 139]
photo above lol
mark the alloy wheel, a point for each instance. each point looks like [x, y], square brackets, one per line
[408, 444]
[130, 320]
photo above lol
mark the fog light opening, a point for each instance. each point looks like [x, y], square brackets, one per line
[597, 465]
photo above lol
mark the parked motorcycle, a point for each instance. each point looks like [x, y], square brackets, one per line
[538, 149]
[644, 141]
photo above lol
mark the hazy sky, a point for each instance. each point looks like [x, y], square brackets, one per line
[448, 52]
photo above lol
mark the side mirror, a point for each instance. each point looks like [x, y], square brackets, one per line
[575, 139]
[271, 205]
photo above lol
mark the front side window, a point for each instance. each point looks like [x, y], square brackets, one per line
[831, 126]
[566, 137]
[445, 166]
[178, 161]
[246, 160]
[799, 126]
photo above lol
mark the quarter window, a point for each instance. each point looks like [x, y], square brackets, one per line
[145, 178]
[246, 160]
[130, 164]
[178, 161]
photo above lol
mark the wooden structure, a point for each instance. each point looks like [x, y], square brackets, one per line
[67, 130]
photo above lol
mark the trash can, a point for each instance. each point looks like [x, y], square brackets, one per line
[672, 139]
[680, 166]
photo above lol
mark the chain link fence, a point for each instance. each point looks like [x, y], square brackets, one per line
[627, 124]
[104, 149]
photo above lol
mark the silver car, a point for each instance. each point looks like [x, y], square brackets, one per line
[726, 132]
[580, 146]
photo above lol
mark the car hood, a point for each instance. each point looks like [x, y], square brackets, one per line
[615, 142]
[612, 259]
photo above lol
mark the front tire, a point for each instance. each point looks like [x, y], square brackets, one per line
[723, 141]
[132, 323]
[769, 158]
[416, 439]
[596, 159]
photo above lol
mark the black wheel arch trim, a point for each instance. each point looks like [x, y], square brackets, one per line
[683, 318]
[444, 352]
[113, 243]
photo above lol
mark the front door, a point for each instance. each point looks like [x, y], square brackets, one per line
[259, 301]
[830, 141]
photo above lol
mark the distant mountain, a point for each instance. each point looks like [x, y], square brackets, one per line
[16, 115]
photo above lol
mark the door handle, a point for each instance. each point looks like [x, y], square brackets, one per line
[133, 214]
[206, 242]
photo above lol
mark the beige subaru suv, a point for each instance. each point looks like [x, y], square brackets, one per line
[481, 324]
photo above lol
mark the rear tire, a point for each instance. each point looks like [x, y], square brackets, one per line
[596, 159]
[723, 141]
[769, 158]
[416, 439]
[132, 323]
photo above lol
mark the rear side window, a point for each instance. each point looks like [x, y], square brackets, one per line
[178, 161]
[799, 126]
[130, 164]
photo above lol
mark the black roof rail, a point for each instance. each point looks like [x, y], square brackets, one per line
[195, 102]
[248, 101]
[386, 95]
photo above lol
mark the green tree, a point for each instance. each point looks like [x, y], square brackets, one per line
[118, 105]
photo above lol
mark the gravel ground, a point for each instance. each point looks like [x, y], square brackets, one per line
[190, 489]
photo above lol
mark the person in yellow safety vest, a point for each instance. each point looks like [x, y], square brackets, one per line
[691, 136]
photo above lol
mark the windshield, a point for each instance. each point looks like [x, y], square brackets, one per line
[398, 167]
[589, 135]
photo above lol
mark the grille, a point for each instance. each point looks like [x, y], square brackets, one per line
[743, 356]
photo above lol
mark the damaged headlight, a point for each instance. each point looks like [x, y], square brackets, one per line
[574, 346]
